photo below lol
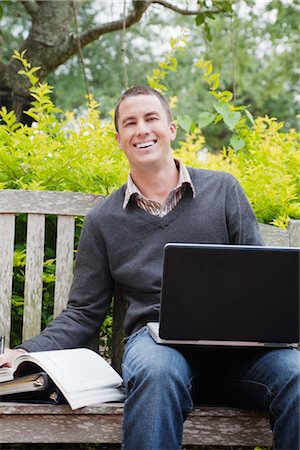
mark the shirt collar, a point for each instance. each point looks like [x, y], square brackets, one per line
[184, 178]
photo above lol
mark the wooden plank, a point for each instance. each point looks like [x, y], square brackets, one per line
[7, 233]
[47, 202]
[103, 424]
[230, 427]
[110, 408]
[294, 233]
[273, 236]
[64, 261]
[33, 275]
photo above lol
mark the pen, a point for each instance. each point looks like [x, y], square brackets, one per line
[2, 343]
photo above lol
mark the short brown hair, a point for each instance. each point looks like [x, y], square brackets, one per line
[142, 90]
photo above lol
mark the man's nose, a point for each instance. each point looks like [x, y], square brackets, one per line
[142, 127]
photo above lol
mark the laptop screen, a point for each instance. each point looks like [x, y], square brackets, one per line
[230, 292]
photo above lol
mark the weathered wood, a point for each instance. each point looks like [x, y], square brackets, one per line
[48, 423]
[218, 426]
[274, 237]
[294, 233]
[33, 275]
[47, 202]
[64, 261]
[7, 233]
[103, 424]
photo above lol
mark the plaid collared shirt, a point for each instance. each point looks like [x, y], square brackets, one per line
[156, 208]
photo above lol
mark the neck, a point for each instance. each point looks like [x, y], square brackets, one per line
[156, 185]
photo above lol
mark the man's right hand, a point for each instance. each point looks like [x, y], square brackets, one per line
[9, 355]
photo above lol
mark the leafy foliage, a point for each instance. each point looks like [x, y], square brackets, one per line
[254, 50]
[265, 160]
[226, 110]
[168, 64]
[204, 17]
[59, 153]
[268, 167]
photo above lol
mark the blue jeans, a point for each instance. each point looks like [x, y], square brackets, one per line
[163, 383]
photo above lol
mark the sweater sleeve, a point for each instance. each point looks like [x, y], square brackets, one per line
[241, 221]
[89, 300]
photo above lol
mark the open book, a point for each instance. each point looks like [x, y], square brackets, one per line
[82, 376]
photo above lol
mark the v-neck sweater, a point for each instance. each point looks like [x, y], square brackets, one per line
[122, 250]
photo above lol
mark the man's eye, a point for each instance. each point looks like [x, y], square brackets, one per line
[129, 123]
[152, 118]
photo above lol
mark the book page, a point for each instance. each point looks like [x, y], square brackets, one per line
[75, 369]
[6, 374]
[80, 399]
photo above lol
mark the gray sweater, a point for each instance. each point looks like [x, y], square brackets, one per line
[123, 249]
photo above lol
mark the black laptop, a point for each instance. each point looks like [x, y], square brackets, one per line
[229, 295]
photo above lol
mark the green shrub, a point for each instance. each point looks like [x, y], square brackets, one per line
[61, 153]
[268, 167]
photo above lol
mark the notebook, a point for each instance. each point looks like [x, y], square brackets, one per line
[229, 295]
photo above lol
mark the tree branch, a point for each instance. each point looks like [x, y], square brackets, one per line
[133, 17]
[184, 11]
[31, 6]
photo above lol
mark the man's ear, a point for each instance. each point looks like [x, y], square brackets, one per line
[173, 130]
[117, 137]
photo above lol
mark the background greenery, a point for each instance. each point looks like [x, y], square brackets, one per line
[255, 49]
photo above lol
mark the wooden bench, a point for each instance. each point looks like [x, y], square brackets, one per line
[24, 423]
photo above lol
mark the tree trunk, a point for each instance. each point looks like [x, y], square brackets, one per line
[51, 42]
[45, 47]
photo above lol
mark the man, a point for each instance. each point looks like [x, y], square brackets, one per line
[122, 247]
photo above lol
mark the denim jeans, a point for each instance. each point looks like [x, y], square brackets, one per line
[163, 383]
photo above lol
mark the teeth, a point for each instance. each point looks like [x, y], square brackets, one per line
[145, 144]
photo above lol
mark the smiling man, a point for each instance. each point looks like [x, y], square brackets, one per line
[121, 248]
[145, 132]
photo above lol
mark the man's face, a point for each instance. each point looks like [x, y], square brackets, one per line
[144, 134]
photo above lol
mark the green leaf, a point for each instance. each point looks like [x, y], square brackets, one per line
[236, 142]
[225, 96]
[213, 77]
[210, 15]
[208, 70]
[218, 118]
[205, 118]
[200, 19]
[207, 32]
[231, 118]
[185, 122]
[32, 114]
[215, 84]
[250, 117]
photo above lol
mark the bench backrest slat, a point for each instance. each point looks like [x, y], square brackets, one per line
[273, 236]
[64, 261]
[47, 202]
[33, 275]
[294, 233]
[7, 234]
